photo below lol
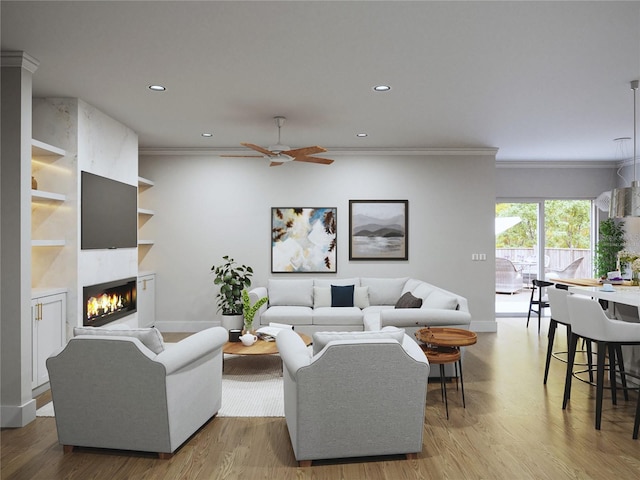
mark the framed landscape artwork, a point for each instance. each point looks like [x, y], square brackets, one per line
[378, 229]
[303, 240]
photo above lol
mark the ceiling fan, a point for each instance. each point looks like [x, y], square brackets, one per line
[279, 154]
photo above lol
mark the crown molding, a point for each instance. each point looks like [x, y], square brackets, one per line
[556, 164]
[19, 59]
[332, 152]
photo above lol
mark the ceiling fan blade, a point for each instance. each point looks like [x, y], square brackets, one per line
[242, 156]
[324, 161]
[303, 152]
[257, 148]
[275, 164]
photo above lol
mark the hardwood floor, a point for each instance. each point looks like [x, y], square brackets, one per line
[512, 428]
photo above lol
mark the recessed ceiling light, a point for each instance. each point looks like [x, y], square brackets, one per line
[157, 88]
[362, 134]
[382, 88]
[207, 134]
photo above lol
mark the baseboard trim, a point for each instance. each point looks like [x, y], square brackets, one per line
[195, 326]
[484, 326]
[15, 416]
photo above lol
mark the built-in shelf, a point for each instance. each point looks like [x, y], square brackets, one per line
[145, 242]
[45, 152]
[47, 196]
[145, 211]
[48, 243]
[145, 182]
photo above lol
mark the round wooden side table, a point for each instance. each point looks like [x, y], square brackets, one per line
[441, 345]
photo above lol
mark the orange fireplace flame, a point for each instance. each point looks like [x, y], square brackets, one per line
[104, 304]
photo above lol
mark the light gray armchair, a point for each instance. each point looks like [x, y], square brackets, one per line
[508, 279]
[112, 391]
[363, 394]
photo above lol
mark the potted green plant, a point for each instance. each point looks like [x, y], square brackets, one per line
[249, 311]
[610, 243]
[232, 279]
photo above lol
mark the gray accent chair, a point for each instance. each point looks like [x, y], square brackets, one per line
[356, 397]
[113, 392]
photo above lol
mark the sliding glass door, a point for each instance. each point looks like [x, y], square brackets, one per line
[540, 239]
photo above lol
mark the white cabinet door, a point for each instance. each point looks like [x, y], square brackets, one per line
[146, 303]
[48, 315]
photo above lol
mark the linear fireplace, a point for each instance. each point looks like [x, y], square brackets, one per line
[106, 302]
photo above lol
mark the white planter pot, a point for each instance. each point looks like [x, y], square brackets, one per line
[231, 322]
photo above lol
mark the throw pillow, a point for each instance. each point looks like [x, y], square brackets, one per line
[150, 337]
[384, 291]
[321, 297]
[291, 292]
[361, 297]
[342, 296]
[438, 299]
[408, 301]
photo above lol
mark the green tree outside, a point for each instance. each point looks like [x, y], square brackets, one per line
[567, 224]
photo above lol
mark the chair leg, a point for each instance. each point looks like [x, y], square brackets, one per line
[602, 350]
[540, 308]
[612, 373]
[573, 343]
[443, 384]
[533, 291]
[590, 359]
[636, 425]
[552, 333]
[623, 376]
[464, 405]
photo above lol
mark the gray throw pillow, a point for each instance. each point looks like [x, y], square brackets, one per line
[408, 301]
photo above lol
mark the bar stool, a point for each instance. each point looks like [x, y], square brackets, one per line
[560, 316]
[537, 304]
[589, 321]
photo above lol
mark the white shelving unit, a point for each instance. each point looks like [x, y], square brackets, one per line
[39, 195]
[43, 155]
[143, 184]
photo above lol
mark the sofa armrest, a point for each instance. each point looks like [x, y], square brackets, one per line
[192, 348]
[405, 317]
[293, 351]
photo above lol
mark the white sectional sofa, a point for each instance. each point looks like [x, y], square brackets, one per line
[307, 303]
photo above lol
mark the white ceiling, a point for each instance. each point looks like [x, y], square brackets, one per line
[537, 80]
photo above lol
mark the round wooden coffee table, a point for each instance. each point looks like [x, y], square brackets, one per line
[441, 345]
[261, 347]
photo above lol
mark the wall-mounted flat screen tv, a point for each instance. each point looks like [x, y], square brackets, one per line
[109, 213]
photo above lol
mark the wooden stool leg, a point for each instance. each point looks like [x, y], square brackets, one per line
[305, 463]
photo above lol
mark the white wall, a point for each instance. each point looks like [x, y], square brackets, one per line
[207, 207]
[579, 182]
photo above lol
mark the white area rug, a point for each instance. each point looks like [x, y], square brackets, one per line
[251, 387]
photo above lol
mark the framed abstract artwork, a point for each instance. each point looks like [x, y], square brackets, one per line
[378, 229]
[303, 240]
